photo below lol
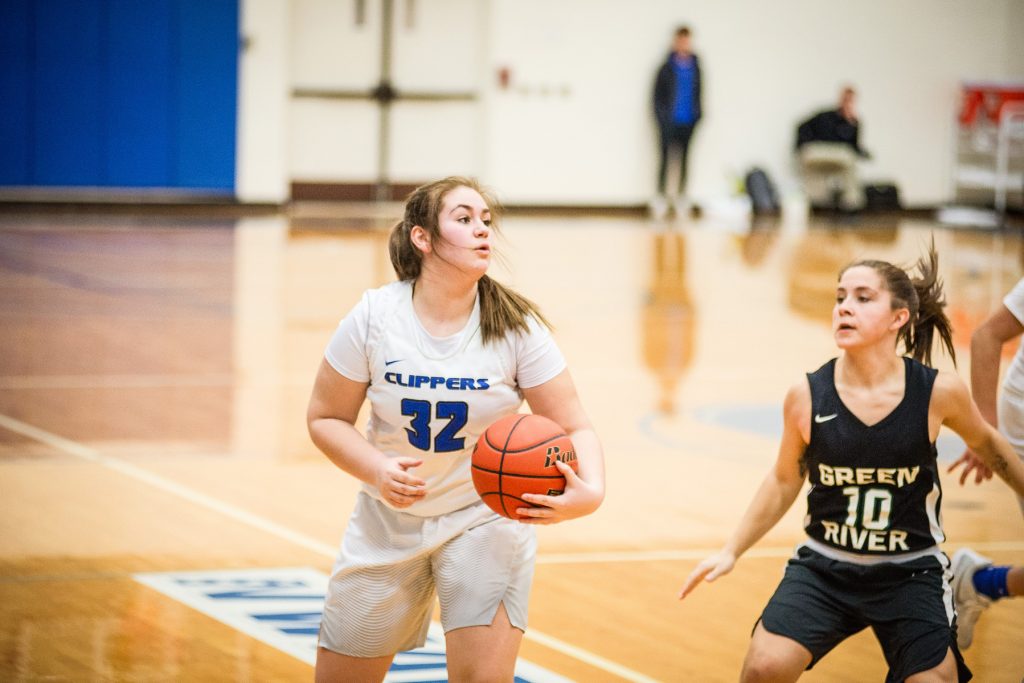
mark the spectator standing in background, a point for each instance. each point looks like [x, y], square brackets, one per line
[677, 109]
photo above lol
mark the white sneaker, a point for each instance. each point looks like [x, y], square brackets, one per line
[658, 208]
[681, 207]
[969, 603]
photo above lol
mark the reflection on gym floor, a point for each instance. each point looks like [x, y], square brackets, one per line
[155, 373]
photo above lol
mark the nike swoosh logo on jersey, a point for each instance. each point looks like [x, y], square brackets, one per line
[390, 362]
[825, 418]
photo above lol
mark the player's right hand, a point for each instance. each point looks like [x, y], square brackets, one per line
[397, 485]
[708, 570]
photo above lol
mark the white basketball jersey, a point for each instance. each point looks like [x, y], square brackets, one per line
[1014, 302]
[432, 398]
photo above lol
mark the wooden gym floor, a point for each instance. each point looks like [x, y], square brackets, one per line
[154, 371]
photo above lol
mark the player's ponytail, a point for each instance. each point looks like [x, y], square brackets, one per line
[405, 258]
[924, 298]
[501, 309]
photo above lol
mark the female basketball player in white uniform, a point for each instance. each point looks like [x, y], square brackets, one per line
[440, 354]
[977, 581]
[863, 428]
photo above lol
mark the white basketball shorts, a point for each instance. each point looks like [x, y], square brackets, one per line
[381, 594]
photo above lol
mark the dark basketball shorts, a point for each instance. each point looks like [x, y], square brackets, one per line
[909, 605]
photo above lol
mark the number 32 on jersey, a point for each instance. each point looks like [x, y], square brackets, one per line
[419, 431]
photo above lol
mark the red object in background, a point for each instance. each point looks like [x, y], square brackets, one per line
[504, 77]
[989, 99]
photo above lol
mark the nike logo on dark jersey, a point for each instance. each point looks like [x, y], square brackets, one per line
[824, 418]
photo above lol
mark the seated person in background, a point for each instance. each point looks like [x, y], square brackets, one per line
[828, 148]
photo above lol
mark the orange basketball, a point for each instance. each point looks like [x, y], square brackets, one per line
[517, 455]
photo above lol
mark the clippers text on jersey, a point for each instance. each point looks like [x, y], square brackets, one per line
[425, 382]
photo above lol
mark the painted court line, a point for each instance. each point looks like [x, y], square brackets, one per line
[147, 381]
[321, 548]
[701, 553]
[91, 455]
[114, 381]
[166, 485]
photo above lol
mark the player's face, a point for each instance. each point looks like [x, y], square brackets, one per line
[847, 104]
[465, 225]
[863, 312]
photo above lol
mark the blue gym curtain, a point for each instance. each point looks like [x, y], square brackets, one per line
[119, 93]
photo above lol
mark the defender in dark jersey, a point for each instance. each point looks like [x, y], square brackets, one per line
[863, 428]
[874, 488]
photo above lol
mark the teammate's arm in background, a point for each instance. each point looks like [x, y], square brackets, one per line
[986, 349]
[775, 495]
[953, 406]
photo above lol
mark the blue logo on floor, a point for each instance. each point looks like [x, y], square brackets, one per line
[282, 608]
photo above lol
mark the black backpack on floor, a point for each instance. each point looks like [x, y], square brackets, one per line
[882, 197]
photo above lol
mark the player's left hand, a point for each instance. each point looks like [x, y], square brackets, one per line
[579, 499]
[970, 461]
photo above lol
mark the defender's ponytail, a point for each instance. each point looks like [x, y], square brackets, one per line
[923, 297]
[931, 318]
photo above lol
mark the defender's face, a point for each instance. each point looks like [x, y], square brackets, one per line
[863, 313]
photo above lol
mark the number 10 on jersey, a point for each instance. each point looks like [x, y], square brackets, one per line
[874, 508]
